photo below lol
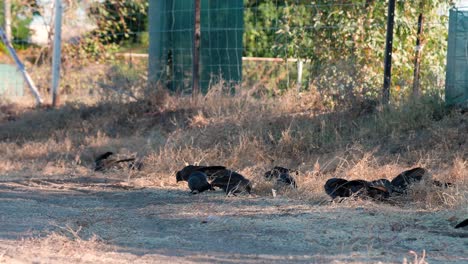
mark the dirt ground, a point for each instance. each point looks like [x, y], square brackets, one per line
[105, 220]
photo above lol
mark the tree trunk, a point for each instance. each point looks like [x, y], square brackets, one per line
[417, 57]
[388, 53]
[196, 49]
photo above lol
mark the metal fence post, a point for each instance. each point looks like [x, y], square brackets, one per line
[57, 52]
[300, 64]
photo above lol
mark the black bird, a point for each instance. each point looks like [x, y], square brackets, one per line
[337, 187]
[442, 184]
[462, 224]
[104, 156]
[276, 171]
[231, 182]
[135, 165]
[198, 182]
[185, 172]
[355, 187]
[379, 192]
[383, 184]
[103, 162]
[334, 187]
[408, 177]
[282, 176]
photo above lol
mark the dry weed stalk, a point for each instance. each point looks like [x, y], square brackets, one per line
[417, 260]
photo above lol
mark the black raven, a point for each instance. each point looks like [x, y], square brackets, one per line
[198, 182]
[401, 182]
[408, 177]
[231, 182]
[337, 187]
[185, 172]
[462, 224]
[219, 176]
[282, 176]
[103, 162]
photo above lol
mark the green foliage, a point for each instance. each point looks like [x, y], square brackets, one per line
[144, 38]
[21, 33]
[21, 13]
[89, 50]
[345, 41]
[119, 21]
[260, 33]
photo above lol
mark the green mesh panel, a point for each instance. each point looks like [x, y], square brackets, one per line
[221, 42]
[181, 32]
[12, 82]
[220, 45]
[456, 84]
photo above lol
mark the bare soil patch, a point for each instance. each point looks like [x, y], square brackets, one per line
[105, 220]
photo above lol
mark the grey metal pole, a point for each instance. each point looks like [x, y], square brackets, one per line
[388, 53]
[300, 64]
[7, 14]
[57, 51]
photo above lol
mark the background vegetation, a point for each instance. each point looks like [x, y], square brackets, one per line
[342, 43]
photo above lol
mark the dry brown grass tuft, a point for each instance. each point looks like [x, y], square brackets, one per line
[248, 133]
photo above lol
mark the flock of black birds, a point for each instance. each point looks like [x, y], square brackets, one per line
[204, 178]
[379, 189]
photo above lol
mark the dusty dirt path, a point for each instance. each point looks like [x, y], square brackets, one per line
[90, 220]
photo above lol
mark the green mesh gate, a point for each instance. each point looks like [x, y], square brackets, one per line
[11, 81]
[221, 41]
[456, 84]
[220, 46]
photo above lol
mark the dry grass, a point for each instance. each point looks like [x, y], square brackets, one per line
[248, 133]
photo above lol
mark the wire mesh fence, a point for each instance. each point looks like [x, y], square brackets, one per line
[12, 84]
[335, 47]
[457, 59]
[328, 45]
[324, 45]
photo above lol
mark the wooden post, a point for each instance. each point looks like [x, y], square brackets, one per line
[57, 52]
[417, 56]
[7, 15]
[388, 53]
[196, 49]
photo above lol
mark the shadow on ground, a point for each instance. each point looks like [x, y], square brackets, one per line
[213, 228]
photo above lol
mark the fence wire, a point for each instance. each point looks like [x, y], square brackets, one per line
[339, 44]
